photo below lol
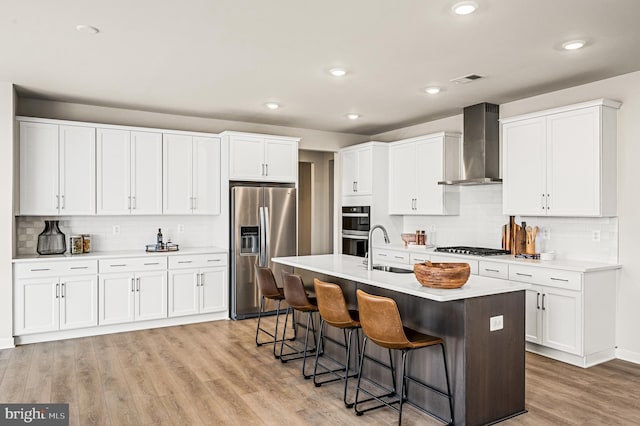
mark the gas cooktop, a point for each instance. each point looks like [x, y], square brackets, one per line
[475, 251]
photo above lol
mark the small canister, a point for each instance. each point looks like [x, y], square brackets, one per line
[86, 243]
[75, 244]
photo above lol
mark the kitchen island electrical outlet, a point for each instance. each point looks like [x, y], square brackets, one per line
[595, 236]
[496, 323]
[180, 229]
[116, 229]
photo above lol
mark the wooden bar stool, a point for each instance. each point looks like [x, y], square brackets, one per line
[298, 300]
[334, 311]
[269, 290]
[382, 324]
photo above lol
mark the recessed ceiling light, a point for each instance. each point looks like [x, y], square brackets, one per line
[432, 90]
[87, 29]
[573, 44]
[338, 72]
[353, 116]
[464, 7]
[272, 105]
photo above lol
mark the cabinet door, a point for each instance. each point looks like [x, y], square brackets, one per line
[402, 178]
[77, 170]
[213, 290]
[146, 173]
[177, 178]
[562, 320]
[573, 163]
[533, 327]
[183, 292]
[36, 305]
[281, 160]
[116, 297]
[349, 172]
[114, 171]
[246, 158]
[524, 167]
[430, 159]
[206, 175]
[151, 295]
[365, 171]
[78, 302]
[38, 169]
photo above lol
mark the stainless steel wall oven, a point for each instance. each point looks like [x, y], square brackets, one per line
[355, 230]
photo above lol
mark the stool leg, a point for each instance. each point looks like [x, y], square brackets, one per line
[403, 385]
[275, 333]
[446, 372]
[259, 316]
[320, 344]
[355, 401]
[306, 342]
[346, 369]
[393, 372]
[286, 318]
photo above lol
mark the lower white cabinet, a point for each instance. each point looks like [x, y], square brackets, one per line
[198, 291]
[55, 303]
[126, 297]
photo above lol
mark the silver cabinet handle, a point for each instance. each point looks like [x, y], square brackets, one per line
[152, 263]
[543, 307]
[548, 201]
[213, 260]
[382, 255]
[134, 202]
[542, 203]
[129, 203]
[537, 300]
[62, 292]
[491, 270]
[117, 265]
[79, 267]
[416, 204]
[197, 280]
[419, 260]
[62, 196]
[524, 275]
[354, 186]
[57, 290]
[133, 285]
[138, 284]
[202, 279]
[559, 279]
[266, 169]
[184, 261]
[39, 269]
[398, 257]
[57, 202]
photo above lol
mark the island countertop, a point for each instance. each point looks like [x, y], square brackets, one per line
[351, 268]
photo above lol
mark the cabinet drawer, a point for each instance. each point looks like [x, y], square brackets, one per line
[51, 269]
[493, 269]
[473, 264]
[391, 256]
[569, 280]
[418, 258]
[133, 264]
[198, 260]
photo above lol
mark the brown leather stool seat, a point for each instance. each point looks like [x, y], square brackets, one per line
[334, 312]
[269, 290]
[382, 324]
[298, 300]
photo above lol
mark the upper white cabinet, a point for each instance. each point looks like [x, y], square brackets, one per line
[129, 169]
[416, 166]
[255, 157]
[357, 170]
[57, 169]
[561, 162]
[191, 178]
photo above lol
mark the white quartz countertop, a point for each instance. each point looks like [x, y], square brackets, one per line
[117, 254]
[567, 265]
[351, 268]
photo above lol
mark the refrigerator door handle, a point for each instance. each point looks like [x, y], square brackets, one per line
[261, 236]
[267, 236]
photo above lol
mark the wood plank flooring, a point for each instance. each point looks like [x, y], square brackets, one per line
[212, 373]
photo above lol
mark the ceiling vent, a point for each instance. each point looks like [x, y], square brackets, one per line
[466, 79]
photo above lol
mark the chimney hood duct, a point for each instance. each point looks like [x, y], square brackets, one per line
[481, 146]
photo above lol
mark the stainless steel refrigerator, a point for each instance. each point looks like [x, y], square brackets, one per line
[263, 225]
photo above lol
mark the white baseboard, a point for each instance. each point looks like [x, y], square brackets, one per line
[579, 361]
[626, 355]
[7, 343]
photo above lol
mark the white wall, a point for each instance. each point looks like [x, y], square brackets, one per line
[7, 108]
[311, 139]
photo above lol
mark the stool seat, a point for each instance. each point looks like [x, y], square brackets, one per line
[419, 340]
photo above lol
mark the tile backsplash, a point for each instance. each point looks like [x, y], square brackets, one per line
[134, 231]
[480, 224]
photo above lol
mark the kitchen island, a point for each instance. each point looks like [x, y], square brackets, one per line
[486, 367]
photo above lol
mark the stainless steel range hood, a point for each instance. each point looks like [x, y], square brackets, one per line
[480, 147]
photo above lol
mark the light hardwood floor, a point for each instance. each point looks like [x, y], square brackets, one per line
[212, 373]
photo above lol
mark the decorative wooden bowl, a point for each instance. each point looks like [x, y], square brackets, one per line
[442, 275]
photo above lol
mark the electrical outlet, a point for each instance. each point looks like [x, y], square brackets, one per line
[116, 229]
[180, 229]
[595, 236]
[496, 323]
[546, 233]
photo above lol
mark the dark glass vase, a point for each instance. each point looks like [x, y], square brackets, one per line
[51, 240]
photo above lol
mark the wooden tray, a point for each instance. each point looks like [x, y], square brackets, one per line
[442, 275]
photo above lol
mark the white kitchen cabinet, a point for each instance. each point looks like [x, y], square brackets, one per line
[46, 301]
[191, 174]
[197, 287]
[116, 298]
[415, 167]
[357, 170]
[129, 169]
[57, 169]
[255, 157]
[561, 162]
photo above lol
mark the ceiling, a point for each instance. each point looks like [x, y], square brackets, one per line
[226, 58]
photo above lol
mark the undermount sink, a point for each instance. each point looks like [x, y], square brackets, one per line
[393, 269]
